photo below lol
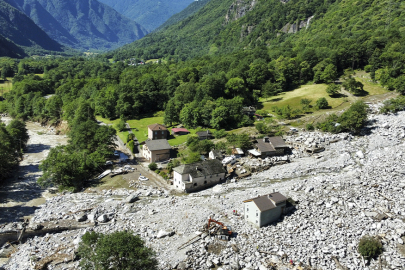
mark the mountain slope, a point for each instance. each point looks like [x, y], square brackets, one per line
[22, 31]
[188, 11]
[83, 25]
[148, 13]
[230, 25]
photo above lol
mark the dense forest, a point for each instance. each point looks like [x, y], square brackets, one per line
[205, 79]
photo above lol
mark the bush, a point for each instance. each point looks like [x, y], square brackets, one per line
[119, 250]
[157, 171]
[393, 105]
[152, 166]
[355, 117]
[172, 164]
[322, 103]
[370, 247]
[309, 127]
[333, 89]
[121, 125]
[163, 174]
[262, 128]
[131, 146]
[218, 134]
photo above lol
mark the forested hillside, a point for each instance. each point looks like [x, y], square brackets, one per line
[188, 11]
[148, 13]
[210, 90]
[83, 25]
[21, 30]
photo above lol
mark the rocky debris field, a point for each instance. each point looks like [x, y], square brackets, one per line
[355, 188]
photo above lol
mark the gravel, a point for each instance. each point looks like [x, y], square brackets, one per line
[352, 189]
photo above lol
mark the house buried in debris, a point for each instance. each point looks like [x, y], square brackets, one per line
[265, 209]
[197, 176]
[268, 147]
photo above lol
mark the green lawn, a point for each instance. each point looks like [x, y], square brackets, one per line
[293, 98]
[5, 86]
[122, 135]
[140, 127]
[369, 86]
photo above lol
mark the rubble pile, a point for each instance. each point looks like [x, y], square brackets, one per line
[355, 189]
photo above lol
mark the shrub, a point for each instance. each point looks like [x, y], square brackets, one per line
[163, 174]
[121, 125]
[262, 128]
[131, 146]
[322, 103]
[218, 134]
[309, 127]
[370, 247]
[157, 171]
[393, 105]
[152, 166]
[119, 250]
[172, 164]
[333, 89]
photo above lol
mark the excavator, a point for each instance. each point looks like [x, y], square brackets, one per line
[222, 231]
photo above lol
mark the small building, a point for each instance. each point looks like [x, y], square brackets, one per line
[157, 132]
[268, 147]
[265, 209]
[238, 152]
[205, 135]
[180, 131]
[156, 150]
[215, 154]
[197, 176]
[249, 111]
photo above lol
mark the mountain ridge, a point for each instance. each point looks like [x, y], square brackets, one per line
[83, 25]
[148, 13]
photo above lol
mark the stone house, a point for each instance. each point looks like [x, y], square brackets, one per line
[265, 209]
[156, 150]
[157, 132]
[215, 154]
[197, 176]
[205, 135]
[249, 111]
[271, 146]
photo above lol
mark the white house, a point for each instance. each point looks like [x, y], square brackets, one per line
[197, 176]
[265, 209]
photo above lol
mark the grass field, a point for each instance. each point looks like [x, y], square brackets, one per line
[316, 91]
[293, 98]
[5, 86]
[122, 135]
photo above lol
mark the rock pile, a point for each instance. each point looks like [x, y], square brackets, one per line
[355, 189]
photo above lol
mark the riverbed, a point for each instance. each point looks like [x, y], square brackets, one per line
[21, 195]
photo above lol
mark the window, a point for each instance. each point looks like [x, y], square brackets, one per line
[205, 182]
[195, 184]
[155, 132]
[257, 214]
[163, 132]
[247, 216]
[257, 221]
[247, 209]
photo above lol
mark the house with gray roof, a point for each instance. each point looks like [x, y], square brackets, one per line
[271, 146]
[197, 176]
[265, 209]
[156, 150]
[205, 135]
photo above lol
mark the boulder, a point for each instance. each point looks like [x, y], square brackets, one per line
[81, 218]
[131, 198]
[103, 218]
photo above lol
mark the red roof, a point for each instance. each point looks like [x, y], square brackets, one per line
[176, 130]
